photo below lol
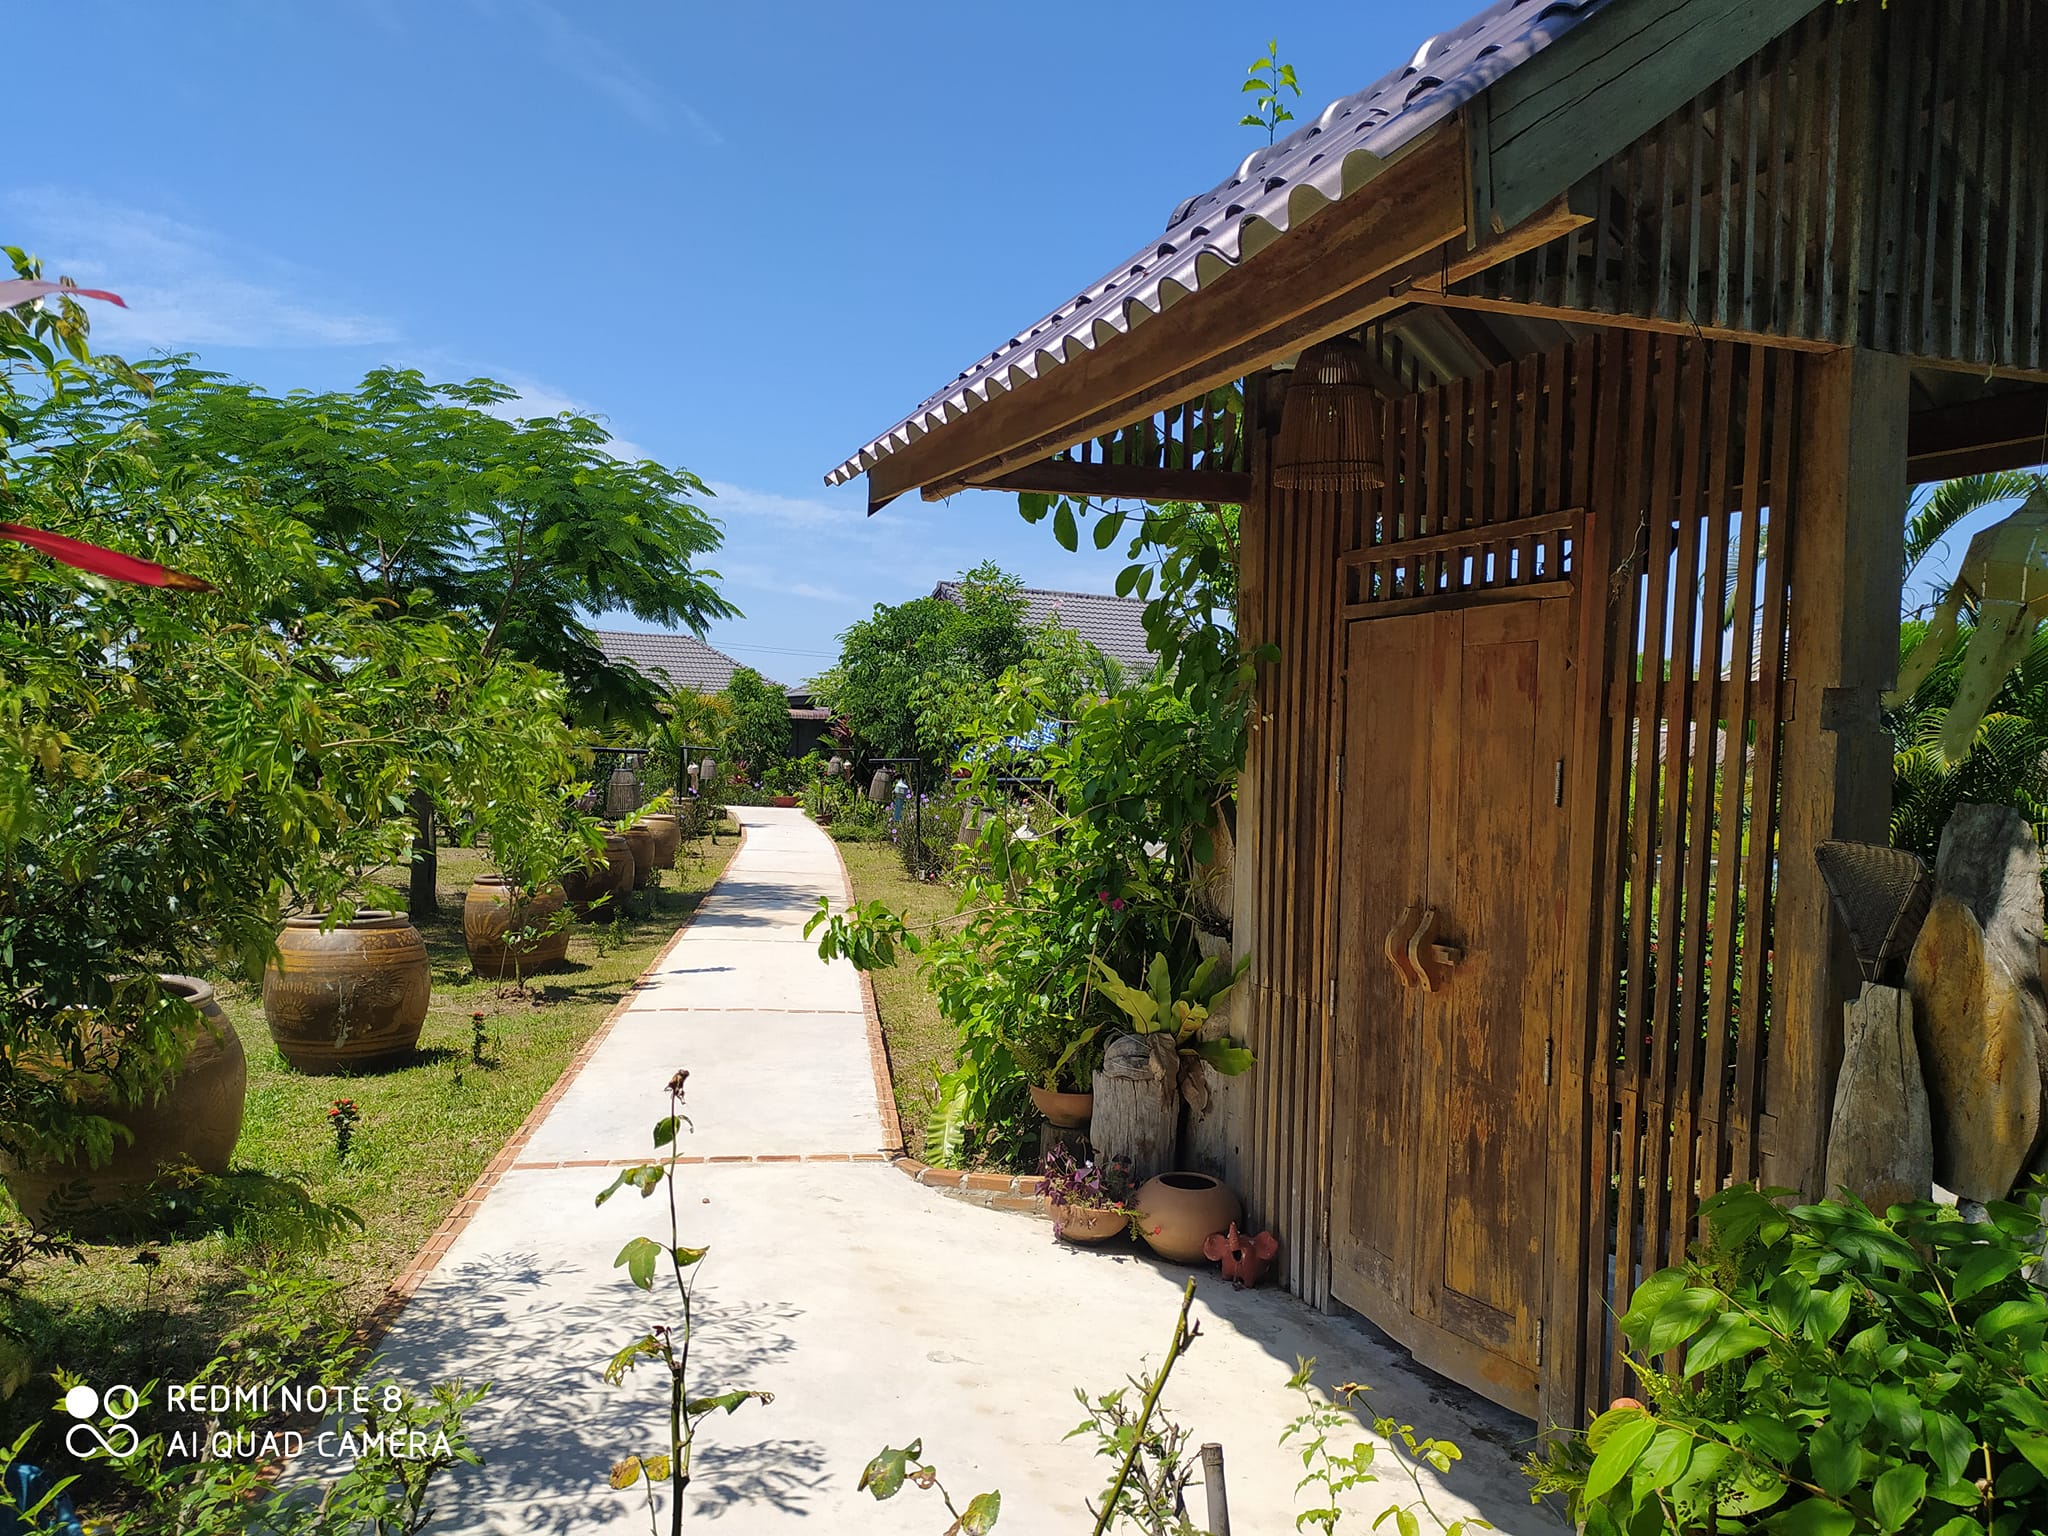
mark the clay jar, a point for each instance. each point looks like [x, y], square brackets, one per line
[1068, 1111]
[640, 838]
[1088, 1226]
[194, 1122]
[488, 914]
[349, 997]
[668, 838]
[601, 887]
[1178, 1212]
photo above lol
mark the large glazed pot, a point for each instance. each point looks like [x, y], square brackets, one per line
[601, 887]
[1178, 1212]
[349, 997]
[195, 1122]
[668, 838]
[641, 840]
[488, 915]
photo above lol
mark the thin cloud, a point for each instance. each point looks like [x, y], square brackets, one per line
[535, 399]
[186, 286]
[609, 72]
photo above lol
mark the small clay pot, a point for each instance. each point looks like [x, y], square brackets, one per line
[196, 1121]
[350, 997]
[1068, 1111]
[488, 915]
[640, 838]
[668, 838]
[1178, 1212]
[1089, 1226]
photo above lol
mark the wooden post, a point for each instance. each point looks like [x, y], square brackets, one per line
[1845, 522]
[1137, 1104]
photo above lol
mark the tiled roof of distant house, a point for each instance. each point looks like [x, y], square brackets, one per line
[1113, 625]
[678, 661]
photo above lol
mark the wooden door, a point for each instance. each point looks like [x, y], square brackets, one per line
[1453, 795]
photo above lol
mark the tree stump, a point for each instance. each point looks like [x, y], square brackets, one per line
[1137, 1104]
[1979, 1016]
[1880, 1145]
[1073, 1138]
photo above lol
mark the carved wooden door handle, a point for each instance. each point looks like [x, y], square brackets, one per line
[1399, 951]
[1430, 960]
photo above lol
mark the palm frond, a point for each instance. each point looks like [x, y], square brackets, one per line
[1935, 510]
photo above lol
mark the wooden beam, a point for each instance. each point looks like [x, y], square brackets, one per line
[1130, 482]
[1850, 481]
[1978, 437]
[1605, 84]
[1263, 308]
[1589, 317]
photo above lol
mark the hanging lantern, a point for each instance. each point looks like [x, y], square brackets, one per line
[1330, 423]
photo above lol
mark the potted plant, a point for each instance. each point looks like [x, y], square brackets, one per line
[1091, 1202]
[516, 922]
[1179, 1010]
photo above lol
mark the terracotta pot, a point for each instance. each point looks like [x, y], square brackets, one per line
[351, 997]
[196, 1120]
[600, 888]
[785, 802]
[488, 915]
[640, 838]
[1089, 1226]
[1068, 1111]
[668, 838]
[1178, 1212]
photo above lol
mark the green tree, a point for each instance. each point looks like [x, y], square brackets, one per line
[757, 714]
[910, 676]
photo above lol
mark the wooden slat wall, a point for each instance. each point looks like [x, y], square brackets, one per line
[1876, 175]
[1672, 446]
[1288, 546]
[1684, 777]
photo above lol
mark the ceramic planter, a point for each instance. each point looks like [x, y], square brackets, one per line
[488, 914]
[349, 997]
[600, 888]
[668, 838]
[1088, 1226]
[640, 839]
[1178, 1212]
[1068, 1111]
[195, 1122]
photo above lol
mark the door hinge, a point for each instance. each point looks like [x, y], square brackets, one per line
[1559, 800]
[1333, 994]
[1340, 773]
[1548, 1046]
[1539, 1341]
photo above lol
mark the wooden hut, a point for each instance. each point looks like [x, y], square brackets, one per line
[1667, 303]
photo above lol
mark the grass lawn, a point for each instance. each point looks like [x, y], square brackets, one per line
[920, 1041]
[427, 1130]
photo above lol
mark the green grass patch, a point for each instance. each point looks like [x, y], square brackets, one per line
[136, 1312]
[919, 1039]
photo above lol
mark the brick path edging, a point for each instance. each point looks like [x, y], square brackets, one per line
[996, 1191]
[443, 1237]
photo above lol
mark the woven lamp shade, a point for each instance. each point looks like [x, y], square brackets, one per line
[1330, 423]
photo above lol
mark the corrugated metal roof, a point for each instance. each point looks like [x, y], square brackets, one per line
[682, 661]
[1320, 163]
[1113, 625]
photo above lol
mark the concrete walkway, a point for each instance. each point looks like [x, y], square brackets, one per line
[875, 1310]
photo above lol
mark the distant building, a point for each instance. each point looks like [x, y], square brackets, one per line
[684, 661]
[1115, 626]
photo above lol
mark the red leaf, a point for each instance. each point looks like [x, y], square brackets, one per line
[19, 290]
[103, 562]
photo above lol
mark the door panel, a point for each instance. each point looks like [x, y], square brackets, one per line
[1385, 835]
[1454, 739]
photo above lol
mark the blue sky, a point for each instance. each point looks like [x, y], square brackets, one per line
[748, 236]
